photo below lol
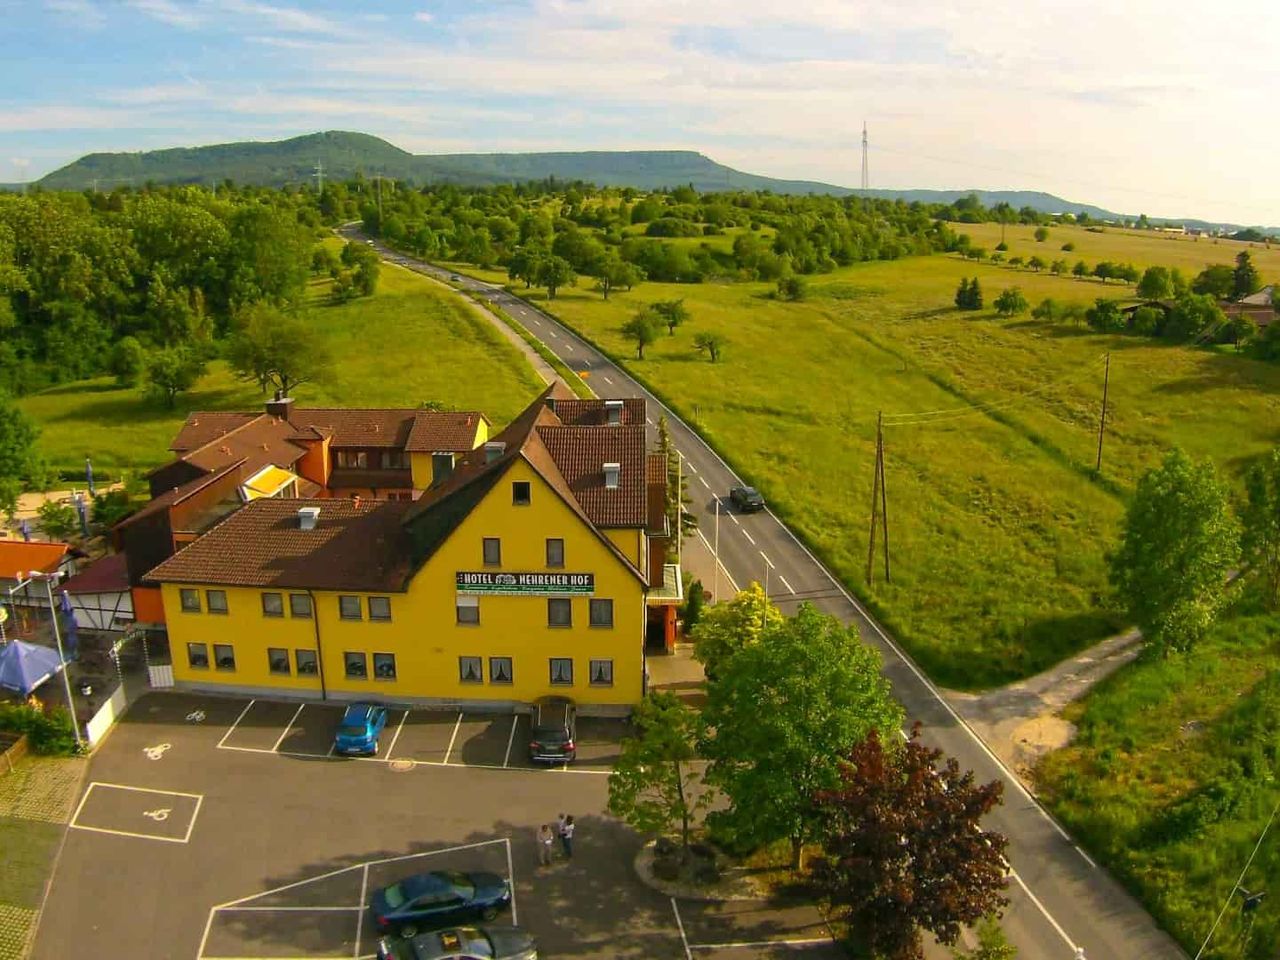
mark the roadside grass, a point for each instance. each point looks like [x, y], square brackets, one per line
[999, 526]
[1142, 248]
[409, 343]
[1172, 777]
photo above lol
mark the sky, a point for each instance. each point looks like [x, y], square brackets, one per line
[1159, 106]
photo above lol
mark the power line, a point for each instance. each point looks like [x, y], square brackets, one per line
[943, 415]
[1240, 879]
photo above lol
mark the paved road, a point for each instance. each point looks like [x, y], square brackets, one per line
[1061, 902]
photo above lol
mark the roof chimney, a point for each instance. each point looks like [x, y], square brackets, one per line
[612, 471]
[307, 517]
[280, 406]
[613, 412]
[493, 450]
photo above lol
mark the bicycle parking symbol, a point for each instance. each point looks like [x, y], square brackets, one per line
[195, 716]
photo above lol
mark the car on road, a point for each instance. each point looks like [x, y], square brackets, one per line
[437, 899]
[555, 730]
[454, 277]
[746, 499]
[359, 729]
[461, 943]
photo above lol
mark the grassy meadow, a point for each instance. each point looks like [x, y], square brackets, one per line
[999, 525]
[410, 342]
[1170, 781]
[1142, 248]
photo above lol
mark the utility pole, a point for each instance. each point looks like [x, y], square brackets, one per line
[884, 499]
[319, 177]
[1102, 420]
[378, 180]
[716, 594]
[866, 176]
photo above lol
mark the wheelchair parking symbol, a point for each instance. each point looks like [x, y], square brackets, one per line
[158, 751]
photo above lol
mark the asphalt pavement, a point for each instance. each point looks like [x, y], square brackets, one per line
[1063, 906]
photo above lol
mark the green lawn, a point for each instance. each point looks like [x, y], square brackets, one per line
[1172, 777]
[410, 342]
[999, 526]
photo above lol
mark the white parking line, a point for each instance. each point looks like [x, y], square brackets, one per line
[704, 483]
[680, 925]
[510, 740]
[233, 726]
[750, 944]
[749, 537]
[364, 890]
[280, 739]
[734, 519]
[648, 421]
[191, 824]
[789, 587]
[723, 569]
[451, 739]
[399, 727]
[511, 875]
[606, 379]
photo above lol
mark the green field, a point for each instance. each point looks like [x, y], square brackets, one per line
[1172, 778]
[410, 342]
[1142, 248]
[999, 525]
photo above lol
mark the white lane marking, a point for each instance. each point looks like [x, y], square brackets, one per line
[680, 925]
[280, 739]
[1087, 859]
[510, 740]
[1040, 906]
[752, 539]
[692, 468]
[766, 558]
[704, 483]
[399, 726]
[730, 515]
[648, 421]
[789, 587]
[451, 739]
[231, 728]
[606, 379]
[553, 333]
[293, 909]
[511, 876]
[723, 569]
[364, 890]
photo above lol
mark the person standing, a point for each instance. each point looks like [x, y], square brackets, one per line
[566, 837]
[546, 840]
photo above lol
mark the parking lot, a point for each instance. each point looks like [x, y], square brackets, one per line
[213, 828]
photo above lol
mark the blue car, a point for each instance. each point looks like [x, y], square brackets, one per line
[432, 900]
[359, 730]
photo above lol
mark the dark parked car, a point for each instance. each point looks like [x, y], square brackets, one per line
[359, 729]
[555, 729]
[437, 899]
[461, 943]
[746, 499]
[455, 278]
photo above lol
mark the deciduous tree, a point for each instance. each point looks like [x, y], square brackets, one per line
[643, 329]
[171, 371]
[277, 349]
[1260, 519]
[1216, 280]
[1156, 284]
[905, 847]
[726, 628]
[1244, 279]
[1011, 302]
[784, 710]
[1180, 540]
[673, 313]
[656, 783]
[709, 343]
[553, 273]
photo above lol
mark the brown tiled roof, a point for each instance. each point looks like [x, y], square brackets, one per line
[20, 557]
[353, 547]
[655, 469]
[175, 496]
[583, 413]
[108, 575]
[369, 427]
[656, 483]
[435, 430]
[580, 454]
[370, 477]
[206, 425]
[261, 442]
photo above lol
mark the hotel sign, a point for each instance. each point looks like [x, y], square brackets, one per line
[526, 584]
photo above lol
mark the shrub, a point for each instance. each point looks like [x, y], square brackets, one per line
[1147, 320]
[1002, 246]
[695, 600]
[793, 288]
[49, 734]
[1068, 247]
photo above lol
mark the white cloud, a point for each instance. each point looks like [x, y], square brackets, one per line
[166, 11]
[290, 19]
[62, 117]
[82, 13]
[422, 16]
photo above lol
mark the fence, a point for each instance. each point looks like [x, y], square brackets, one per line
[12, 749]
[97, 728]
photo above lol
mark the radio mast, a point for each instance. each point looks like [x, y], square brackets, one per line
[866, 177]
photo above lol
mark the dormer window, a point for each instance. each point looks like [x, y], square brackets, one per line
[612, 473]
[613, 412]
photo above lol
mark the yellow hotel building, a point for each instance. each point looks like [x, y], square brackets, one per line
[535, 568]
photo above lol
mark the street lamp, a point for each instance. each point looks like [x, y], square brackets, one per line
[49, 580]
